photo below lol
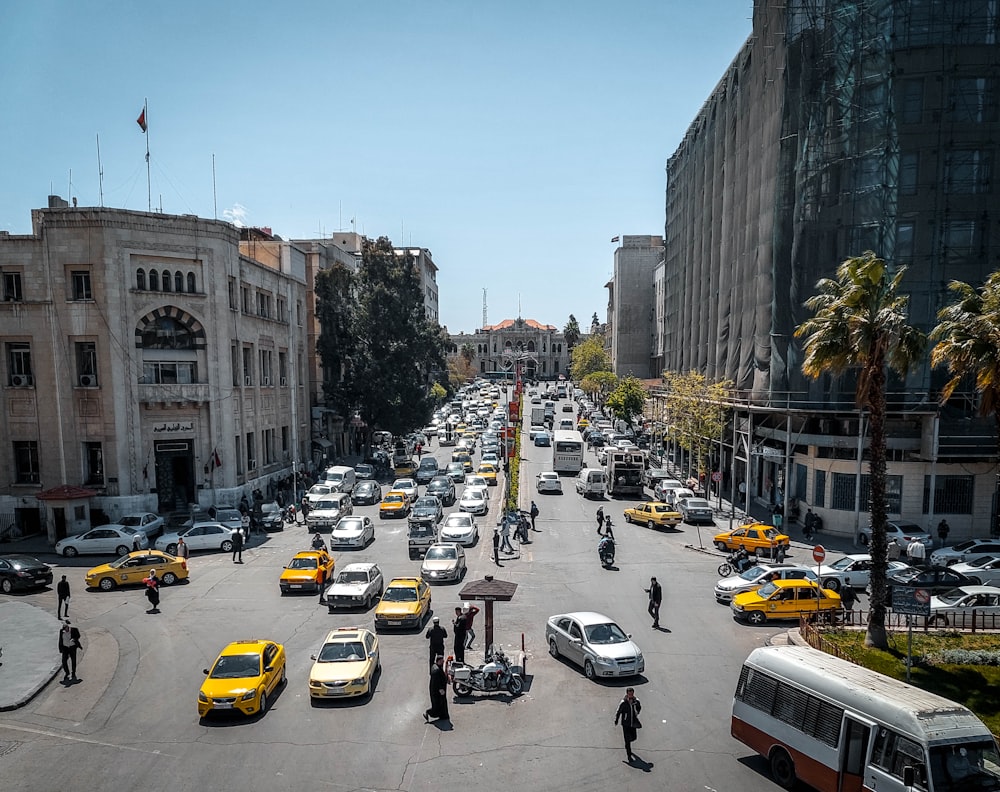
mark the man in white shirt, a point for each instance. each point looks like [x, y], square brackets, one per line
[916, 553]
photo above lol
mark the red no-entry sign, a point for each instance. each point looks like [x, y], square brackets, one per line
[819, 553]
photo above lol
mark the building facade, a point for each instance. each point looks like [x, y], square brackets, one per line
[631, 338]
[493, 349]
[838, 128]
[147, 361]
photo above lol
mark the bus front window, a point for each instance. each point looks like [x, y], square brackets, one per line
[965, 766]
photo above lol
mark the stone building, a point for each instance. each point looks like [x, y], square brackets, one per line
[631, 336]
[541, 347]
[146, 362]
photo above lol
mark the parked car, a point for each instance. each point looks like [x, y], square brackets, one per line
[133, 569]
[22, 572]
[356, 586]
[353, 531]
[443, 562]
[270, 518]
[346, 665]
[958, 605]
[857, 568]
[757, 575]
[965, 551]
[200, 536]
[900, 531]
[783, 599]
[244, 676]
[147, 522]
[653, 514]
[935, 580]
[594, 642]
[696, 510]
[106, 540]
[366, 492]
[443, 488]
[548, 481]
[984, 571]
[459, 527]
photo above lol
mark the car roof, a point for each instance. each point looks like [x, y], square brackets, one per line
[586, 618]
[246, 647]
[343, 634]
[358, 566]
[307, 554]
[404, 581]
[978, 589]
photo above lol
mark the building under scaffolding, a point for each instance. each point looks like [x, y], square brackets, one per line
[840, 127]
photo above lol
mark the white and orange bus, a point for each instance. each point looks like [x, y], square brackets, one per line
[842, 728]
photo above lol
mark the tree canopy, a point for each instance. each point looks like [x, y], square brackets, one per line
[627, 400]
[589, 357]
[571, 332]
[695, 413]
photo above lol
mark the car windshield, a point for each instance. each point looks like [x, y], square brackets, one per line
[348, 526]
[126, 530]
[753, 573]
[771, 533]
[426, 503]
[270, 508]
[364, 470]
[400, 594]
[119, 562]
[455, 521]
[981, 562]
[609, 633]
[236, 666]
[326, 504]
[971, 765]
[767, 590]
[131, 520]
[319, 489]
[394, 498]
[697, 503]
[347, 652]
[951, 597]
[352, 577]
[842, 563]
[441, 552]
[304, 563]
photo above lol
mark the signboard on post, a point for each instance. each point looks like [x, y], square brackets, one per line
[912, 602]
[819, 554]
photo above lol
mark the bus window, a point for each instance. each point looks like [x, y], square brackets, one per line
[892, 752]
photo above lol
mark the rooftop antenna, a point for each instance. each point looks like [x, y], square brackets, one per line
[484, 308]
[100, 171]
[215, 194]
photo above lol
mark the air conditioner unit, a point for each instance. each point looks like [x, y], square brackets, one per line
[20, 381]
[247, 382]
[267, 381]
[88, 381]
[284, 381]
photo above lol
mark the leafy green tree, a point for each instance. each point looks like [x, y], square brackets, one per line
[599, 384]
[695, 414]
[968, 342]
[571, 332]
[438, 392]
[468, 352]
[335, 346]
[627, 400]
[860, 322]
[589, 357]
[396, 348]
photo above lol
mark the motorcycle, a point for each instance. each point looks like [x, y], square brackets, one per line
[606, 552]
[491, 676]
[734, 563]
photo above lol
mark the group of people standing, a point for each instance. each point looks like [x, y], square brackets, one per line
[436, 635]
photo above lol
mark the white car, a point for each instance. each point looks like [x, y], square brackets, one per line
[146, 522]
[200, 536]
[985, 570]
[474, 500]
[459, 528]
[594, 642]
[317, 491]
[902, 532]
[473, 480]
[328, 511]
[443, 562]
[965, 551]
[957, 606]
[357, 585]
[856, 567]
[353, 531]
[533, 430]
[757, 576]
[407, 486]
[430, 430]
[491, 457]
[549, 481]
[106, 540]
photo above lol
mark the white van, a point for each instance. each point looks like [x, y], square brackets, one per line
[592, 483]
[566, 425]
[341, 478]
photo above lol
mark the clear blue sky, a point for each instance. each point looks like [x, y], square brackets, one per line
[513, 139]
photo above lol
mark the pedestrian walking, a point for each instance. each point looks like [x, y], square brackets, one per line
[436, 635]
[916, 553]
[943, 530]
[238, 547]
[505, 544]
[245, 525]
[600, 520]
[779, 553]
[438, 689]
[847, 596]
[458, 626]
[69, 642]
[655, 592]
[152, 591]
[534, 514]
[62, 595]
[183, 551]
[136, 541]
[893, 550]
[628, 714]
[496, 547]
[470, 612]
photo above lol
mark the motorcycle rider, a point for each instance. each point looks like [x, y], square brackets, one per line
[606, 547]
[318, 543]
[741, 560]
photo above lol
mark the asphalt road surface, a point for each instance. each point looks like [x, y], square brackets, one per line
[132, 721]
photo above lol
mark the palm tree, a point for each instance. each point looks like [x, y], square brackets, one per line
[860, 322]
[968, 342]
[468, 352]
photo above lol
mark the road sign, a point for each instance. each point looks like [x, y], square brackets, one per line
[922, 596]
[819, 553]
[913, 602]
[717, 476]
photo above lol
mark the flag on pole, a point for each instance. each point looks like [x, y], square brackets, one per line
[613, 239]
[216, 459]
[141, 120]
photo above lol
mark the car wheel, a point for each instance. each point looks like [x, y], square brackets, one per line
[783, 768]
[106, 584]
[588, 669]
[70, 552]
[263, 702]
[833, 584]
[169, 579]
[227, 546]
[756, 617]
[172, 549]
[651, 525]
[628, 517]
[938, 620]
[122, 550]
[721, 546]
[553, 648]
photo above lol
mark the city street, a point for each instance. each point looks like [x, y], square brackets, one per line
[132, 720]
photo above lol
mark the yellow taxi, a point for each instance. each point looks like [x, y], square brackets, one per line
[489, 472]
[582, 424]
[405, 467]
[755, 538]
[131, 569]
[464, 458]
[461, 429]
[307, 571]
[406, 602]
[471, 438]
[654, 514]
[244, 677]
[394, 504]
[783, 599]
[345, 665]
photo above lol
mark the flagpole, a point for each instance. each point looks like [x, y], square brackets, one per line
[149, 189]
[100, 171]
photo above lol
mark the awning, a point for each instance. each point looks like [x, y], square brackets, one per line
[322, 443]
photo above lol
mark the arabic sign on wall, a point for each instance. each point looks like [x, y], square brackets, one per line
[173, 427]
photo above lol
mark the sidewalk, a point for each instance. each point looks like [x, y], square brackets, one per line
[29, 641]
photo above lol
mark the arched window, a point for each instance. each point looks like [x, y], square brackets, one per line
[165, 332]
[191, 283]
[154, 280]
[531, 346]
[140, 279]
[178, 281]
[166, 281]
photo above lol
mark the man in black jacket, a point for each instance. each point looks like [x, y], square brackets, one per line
[436, 635]
[69, 642]
[62, 594]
